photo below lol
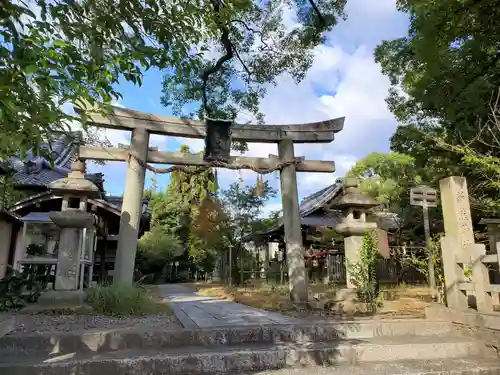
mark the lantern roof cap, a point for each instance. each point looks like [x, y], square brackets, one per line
[75, 183]
[352, 197]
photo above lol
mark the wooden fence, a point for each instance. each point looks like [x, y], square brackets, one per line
[388, 271]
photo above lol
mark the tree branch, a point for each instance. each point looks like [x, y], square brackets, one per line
[226, 42]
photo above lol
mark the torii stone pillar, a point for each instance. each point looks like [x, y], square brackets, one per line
[131, 209]
[353, 226]
[291, 219]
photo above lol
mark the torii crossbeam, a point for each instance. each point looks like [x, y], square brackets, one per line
[143, 124]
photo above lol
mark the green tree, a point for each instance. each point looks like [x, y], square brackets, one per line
[254, 45]
[157, 248]
[443, 75]
[59, 52]
[188, 209]
[243, 208]
[387, 178]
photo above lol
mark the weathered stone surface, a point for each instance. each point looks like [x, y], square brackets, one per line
[104, 341]
[75, 183]
[67, 260]
[460, 366]
[242, 358]
[196, 311]
[72, 219]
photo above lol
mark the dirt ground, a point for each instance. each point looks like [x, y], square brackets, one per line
[402, 301]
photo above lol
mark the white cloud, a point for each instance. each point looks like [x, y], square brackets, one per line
[344, 81]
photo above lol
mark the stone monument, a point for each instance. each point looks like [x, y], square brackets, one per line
[72, 219]
[353, 226]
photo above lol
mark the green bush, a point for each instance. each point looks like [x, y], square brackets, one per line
[364, 273]
[122, 300]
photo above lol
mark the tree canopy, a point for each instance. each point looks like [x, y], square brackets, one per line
[444, 75]
[65, 52]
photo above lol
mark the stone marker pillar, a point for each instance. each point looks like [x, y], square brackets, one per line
[457, 245]
[353, 226]
[456, 212]
[291, 217]
[131, 209]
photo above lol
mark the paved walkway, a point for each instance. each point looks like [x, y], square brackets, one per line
[196, 311]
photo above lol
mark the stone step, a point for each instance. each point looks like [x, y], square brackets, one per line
[111, 340]
[450, 366]
[248, 357]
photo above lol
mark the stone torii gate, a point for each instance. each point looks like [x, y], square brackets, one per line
[142, 125]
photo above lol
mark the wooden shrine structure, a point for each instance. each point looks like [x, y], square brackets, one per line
[138, 154]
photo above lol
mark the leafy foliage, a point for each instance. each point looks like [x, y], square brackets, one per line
[421, 263]
[61, 52]
[387, 178]
[443, 75]
[123, 300]
[18, 289]
[244, 207]
[249, 46]
[160, 245]
[69, 52]
[188, 215]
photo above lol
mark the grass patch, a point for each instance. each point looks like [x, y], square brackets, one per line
[125, 301]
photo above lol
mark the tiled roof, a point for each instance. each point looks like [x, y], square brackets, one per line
[38, 170]
[312, 212]
[33, 170]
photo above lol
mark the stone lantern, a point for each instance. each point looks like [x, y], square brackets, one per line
[353, 226]
[77, 236]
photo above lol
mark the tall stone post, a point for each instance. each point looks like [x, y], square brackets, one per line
[456, 212]
[353, 226]
[459, 236]
[291, 218]
[131, 209]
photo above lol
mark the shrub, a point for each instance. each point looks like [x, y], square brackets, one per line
[364, 273]
[122, 300]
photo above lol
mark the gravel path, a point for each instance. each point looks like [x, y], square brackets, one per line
[39, 323]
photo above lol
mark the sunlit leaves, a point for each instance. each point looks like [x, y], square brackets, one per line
[269, 39]
[444, 74]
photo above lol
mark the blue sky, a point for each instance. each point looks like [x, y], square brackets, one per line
[343, 81]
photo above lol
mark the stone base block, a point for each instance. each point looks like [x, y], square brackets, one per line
[62, 298]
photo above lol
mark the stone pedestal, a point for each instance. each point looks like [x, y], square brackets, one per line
[67, 259]
[72, 224]
[352, 246]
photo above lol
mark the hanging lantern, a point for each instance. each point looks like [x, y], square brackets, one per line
[218, 140]
[259, 186]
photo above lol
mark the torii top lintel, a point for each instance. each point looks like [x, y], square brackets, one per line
[127, 119]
